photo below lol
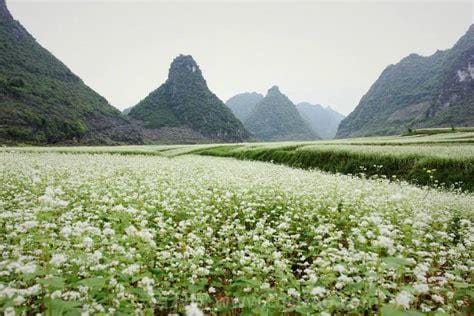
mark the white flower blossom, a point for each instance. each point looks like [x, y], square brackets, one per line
[58, 259]
[193, 310]
[403, 299]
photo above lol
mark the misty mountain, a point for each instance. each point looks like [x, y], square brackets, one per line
[433, 91]
[323, 120]
[243, 104]
[42, 101]
[275, 117]
[183, 109]
[127, 110]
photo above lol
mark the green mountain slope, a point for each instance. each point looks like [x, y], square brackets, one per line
[42, 101]
[433, 91]
[243, 104]
[323, 120]
[275, 118]
[183, 109]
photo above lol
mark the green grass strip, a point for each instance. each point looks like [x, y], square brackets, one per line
[448, 173]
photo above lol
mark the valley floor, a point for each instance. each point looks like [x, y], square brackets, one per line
[442, 160]
[159, 229]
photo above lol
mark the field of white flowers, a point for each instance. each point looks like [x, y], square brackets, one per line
[115, 234]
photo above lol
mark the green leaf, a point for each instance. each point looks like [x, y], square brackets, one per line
[53, 283]
[396, 262]
[460, 285]
[354, 287]
[96, 283]
[392, 310]
[60, 307]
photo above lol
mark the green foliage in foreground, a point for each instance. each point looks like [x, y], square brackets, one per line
[122, 235]
[424, 167]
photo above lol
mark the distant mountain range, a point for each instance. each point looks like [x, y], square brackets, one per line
[184, 109]
[243, 104]
[323, 120]
[42, 101]
[275, 118]
[433, 91]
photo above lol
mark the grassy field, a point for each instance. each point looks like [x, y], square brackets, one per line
[92, 232]
[439, 160]
[443, 160]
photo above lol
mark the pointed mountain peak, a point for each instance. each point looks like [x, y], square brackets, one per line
[275, 117]
[309, 104]
[184, 66]
[470, 32]
[274, 91]
[471, 29]
[466, 41]
[183, 109]
[4, 13]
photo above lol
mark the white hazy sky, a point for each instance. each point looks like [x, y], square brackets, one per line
[321, 52]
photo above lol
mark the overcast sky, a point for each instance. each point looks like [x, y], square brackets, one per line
[321, 52]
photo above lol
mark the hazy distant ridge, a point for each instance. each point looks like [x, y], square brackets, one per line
[323, 120]
[275, 117]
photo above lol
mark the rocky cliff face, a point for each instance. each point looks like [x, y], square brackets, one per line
[42, 101]
[275, 118]
[185, 103]
[433, 91]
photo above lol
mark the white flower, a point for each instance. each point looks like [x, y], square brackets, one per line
[88, 242]
[403, 299]
[9, 311]
[354, 303]
[18, 300]
[97, 255]
[420, 271]
[339, 268]
[131, 230]
[318, 291]
[421, 288]
[425, 308]
[27, 268]
[131, 269]
[66, 231]
[293, 292]
[145, 235]
[265, 285]
[437, 298]
[56, 294]
[58, 259]
[108, 231]
[212, 290]
[193, 310]
[385, 242]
